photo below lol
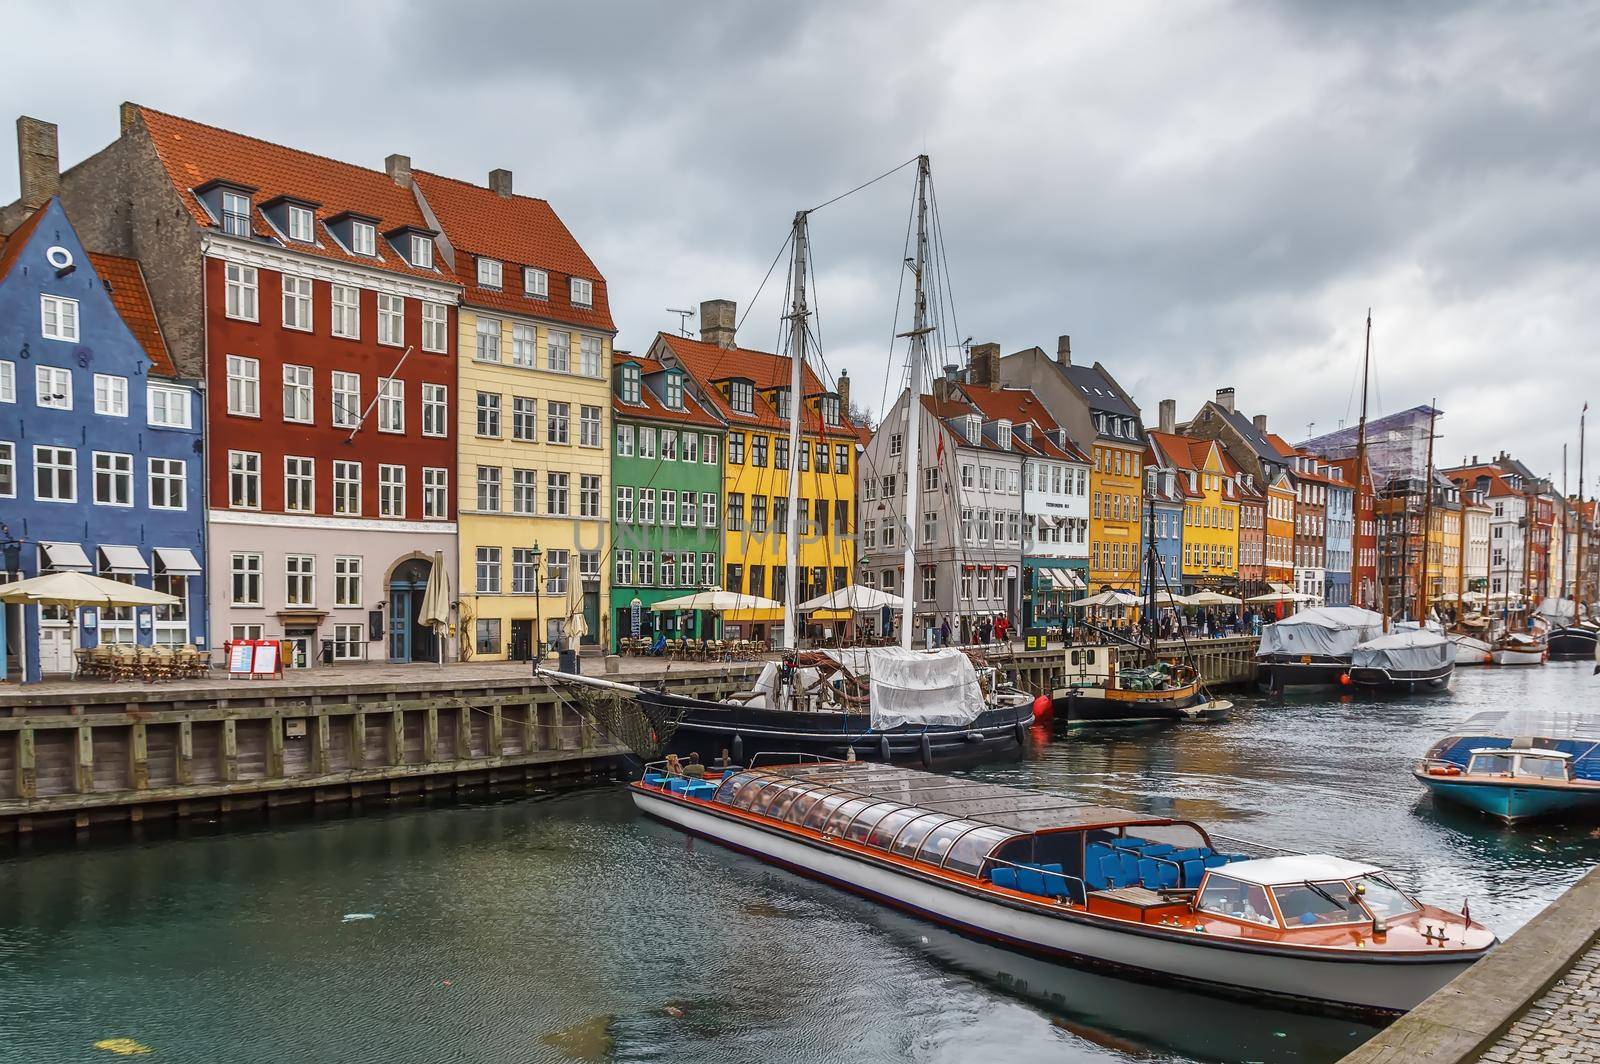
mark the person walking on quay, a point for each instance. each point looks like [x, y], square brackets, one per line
[944, 632]
[1002, 626]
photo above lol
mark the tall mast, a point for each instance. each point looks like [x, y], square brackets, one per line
[913, 452]
[1361, 463]
[1150, 574]
[1577, 564]
[797, 359]
[1427, 521]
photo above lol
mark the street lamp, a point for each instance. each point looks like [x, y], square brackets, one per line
[536, 556]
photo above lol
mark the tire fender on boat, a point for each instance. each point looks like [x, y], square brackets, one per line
[1022, 733]
[883, 749]
[927, 751]
[738, 749]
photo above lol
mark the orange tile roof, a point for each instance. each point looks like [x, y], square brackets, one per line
[517, 231]
[11, 247]
[708, 363]
[132, 300]
[194, 153]
[693, 413]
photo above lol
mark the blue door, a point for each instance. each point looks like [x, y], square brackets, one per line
[399, 623]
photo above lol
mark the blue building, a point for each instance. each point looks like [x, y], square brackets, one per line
[101, 465]
[1341, 531]
[1164, 494]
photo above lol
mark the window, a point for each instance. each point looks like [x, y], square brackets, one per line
[930, 582]
[244, 386]
[391, 320]
[488, 570]
[582, 292]
[841, 458]
[487, 635]
[297, 303]
[522, 571]
[708, 509]
[780, 453]
[489, 414]
[300, 221]
[589, 355]
[435, 494]
[391, 404]
[708, 449]
[244, 480]
[110, 395]
[647, 506]
[555, 571]
[624, 504]
[930, 528]
[624, 441]
[345, 311]
[524, 346]
[558, 351]
[421, 251]
[391, 491]
[669, 507]
[630, 385]
[556, 426]
[347, 642]
[488, 339]
[742, 396]
[299, 580]
[555, 494]
[488, 272]
[8, 382]
[686, 569]
[896, 444]
[246, 579]
[346, 399]
[669, 445]
[235, 214]
[347, 581]
[524, 491]
[8, 471]
[735, 513]
[736, 448]
[489, 489]
[688, 509]
[364, 238]
[822, 459]
[347, 488]
[53, 387]
[299, 485]
[535, 283]
[55, 474]
[297, 394]
[242, 292]
[167, 407]
[435, 328]
[624, 572]
[758, 451]
[589, 496]
[524, 418]
[588, 426]
[435, 410]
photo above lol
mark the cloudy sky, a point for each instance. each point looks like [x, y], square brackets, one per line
[1201, 194]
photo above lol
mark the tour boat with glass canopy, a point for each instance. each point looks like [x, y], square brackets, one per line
[1516, 765]
[1155, 896]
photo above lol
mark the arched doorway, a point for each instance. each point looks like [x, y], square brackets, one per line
[409, 640]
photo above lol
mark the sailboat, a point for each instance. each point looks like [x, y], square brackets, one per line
[1577, 637]
[891, 704]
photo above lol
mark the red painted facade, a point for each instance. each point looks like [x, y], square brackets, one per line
[275, 346]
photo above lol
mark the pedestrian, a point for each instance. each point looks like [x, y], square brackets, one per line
[1002, 625]
[944, 632]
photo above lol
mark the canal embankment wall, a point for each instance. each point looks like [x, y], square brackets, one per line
[1502, 1008]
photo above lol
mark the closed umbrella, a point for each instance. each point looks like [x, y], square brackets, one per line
[435, 611]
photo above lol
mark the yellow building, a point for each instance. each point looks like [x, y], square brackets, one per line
[533, 421]
[750, 391]
[1210, 511]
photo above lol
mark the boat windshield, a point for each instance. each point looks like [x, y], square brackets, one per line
[1321, 902]
[1241, 901]
[1541, 767]
[1490, 765]
[1383, 898]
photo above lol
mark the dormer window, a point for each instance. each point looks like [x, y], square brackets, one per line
[780, 400]
[830, 409]
[235, 213]
[742, 396]
[630, 384]
[301, 221]
[535, 283]
[974, 430]
[1002, 434]
[582, 292]
[363, 238]
[488, 272]
[674, 390]
[1127, 428]
[421, 251]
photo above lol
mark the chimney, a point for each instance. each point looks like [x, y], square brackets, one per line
[398, 167]
[1474, 459]
[128, 115]
[1169, 416]
[1260, 422]
[951, 371]
[983, 368]
[844, 393]
[717, 319]
[1064, 350]
[500, 181]
[38, 162]
[1225, 399]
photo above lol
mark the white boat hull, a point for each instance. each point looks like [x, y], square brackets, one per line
[1340, 982]
[1471, 650]
[1502, 656]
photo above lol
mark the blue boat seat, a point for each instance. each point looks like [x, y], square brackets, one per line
[1128, 865]
[1055, 881]
[677, 786]
[1004, 877]
[701, 789]
[1156, 874]
[654, 779]
[1216, 860]
[1159, 849]
[1193, 871]
[1030, 880]
[1094, 870]
[1130, 843]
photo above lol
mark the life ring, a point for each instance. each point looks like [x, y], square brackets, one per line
[1444, 770]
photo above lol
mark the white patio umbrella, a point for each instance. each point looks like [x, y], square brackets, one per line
[853, 597]
[1272, 597]
[1105, 598]
[1210, 598]
[1165, 597]
[76, 590]
[435, 610]
[716, 600]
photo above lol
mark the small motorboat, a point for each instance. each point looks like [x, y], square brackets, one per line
[1519, 648]
[1158, 898]
[1517, 765]
[1471, 649]
[1099, 692]
[1312, 648]
[1416, 660]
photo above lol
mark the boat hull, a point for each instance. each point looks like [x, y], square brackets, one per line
[711, 729]
[1089, 707]
[1508, 656]
[1573, 641]
[1320, 982]
[1470, 650]
[1511, 801]
[1276, 673]
[1403, 681]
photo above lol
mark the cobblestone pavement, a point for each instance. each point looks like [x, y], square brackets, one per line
[1563, 1026]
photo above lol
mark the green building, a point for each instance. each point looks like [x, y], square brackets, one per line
[666, 514]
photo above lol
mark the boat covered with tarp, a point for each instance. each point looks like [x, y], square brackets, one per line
[1313, 647]
[1153, 896]
[1518, 764]
[1415, 660]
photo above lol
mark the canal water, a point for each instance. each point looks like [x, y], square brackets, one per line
[569, 929]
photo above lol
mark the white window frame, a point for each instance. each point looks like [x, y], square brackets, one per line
[246, 564]
[243, 292]
[558, 356]
[8, 466]
[364, 238]
[297, 292]
[487, 339]
[435, 328]
[344, 311]
[391, 491]
[391, 320]
[248, 473]
[167, 406]
[435, 410]
[300, 383]
[591, 356]
[524, 345]
[582, 292]
[236, 209]
[421, 251]
[301, 224]
[344, 394]
[121, 473]
[114, 403]
[50, 381]
[58, 318]
[300, 580]
[392, 405]
[435, 493]
[244, 384]
[302, 472]
[346, 488]
[173, 476]
[491, 273]
[591, 423]
[56, 467]
[535, 283]
[8, 381]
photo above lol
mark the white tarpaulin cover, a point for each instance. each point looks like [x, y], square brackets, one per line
[1411, 651]
[916, 686]
[1326, 631]
[1558, 610]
